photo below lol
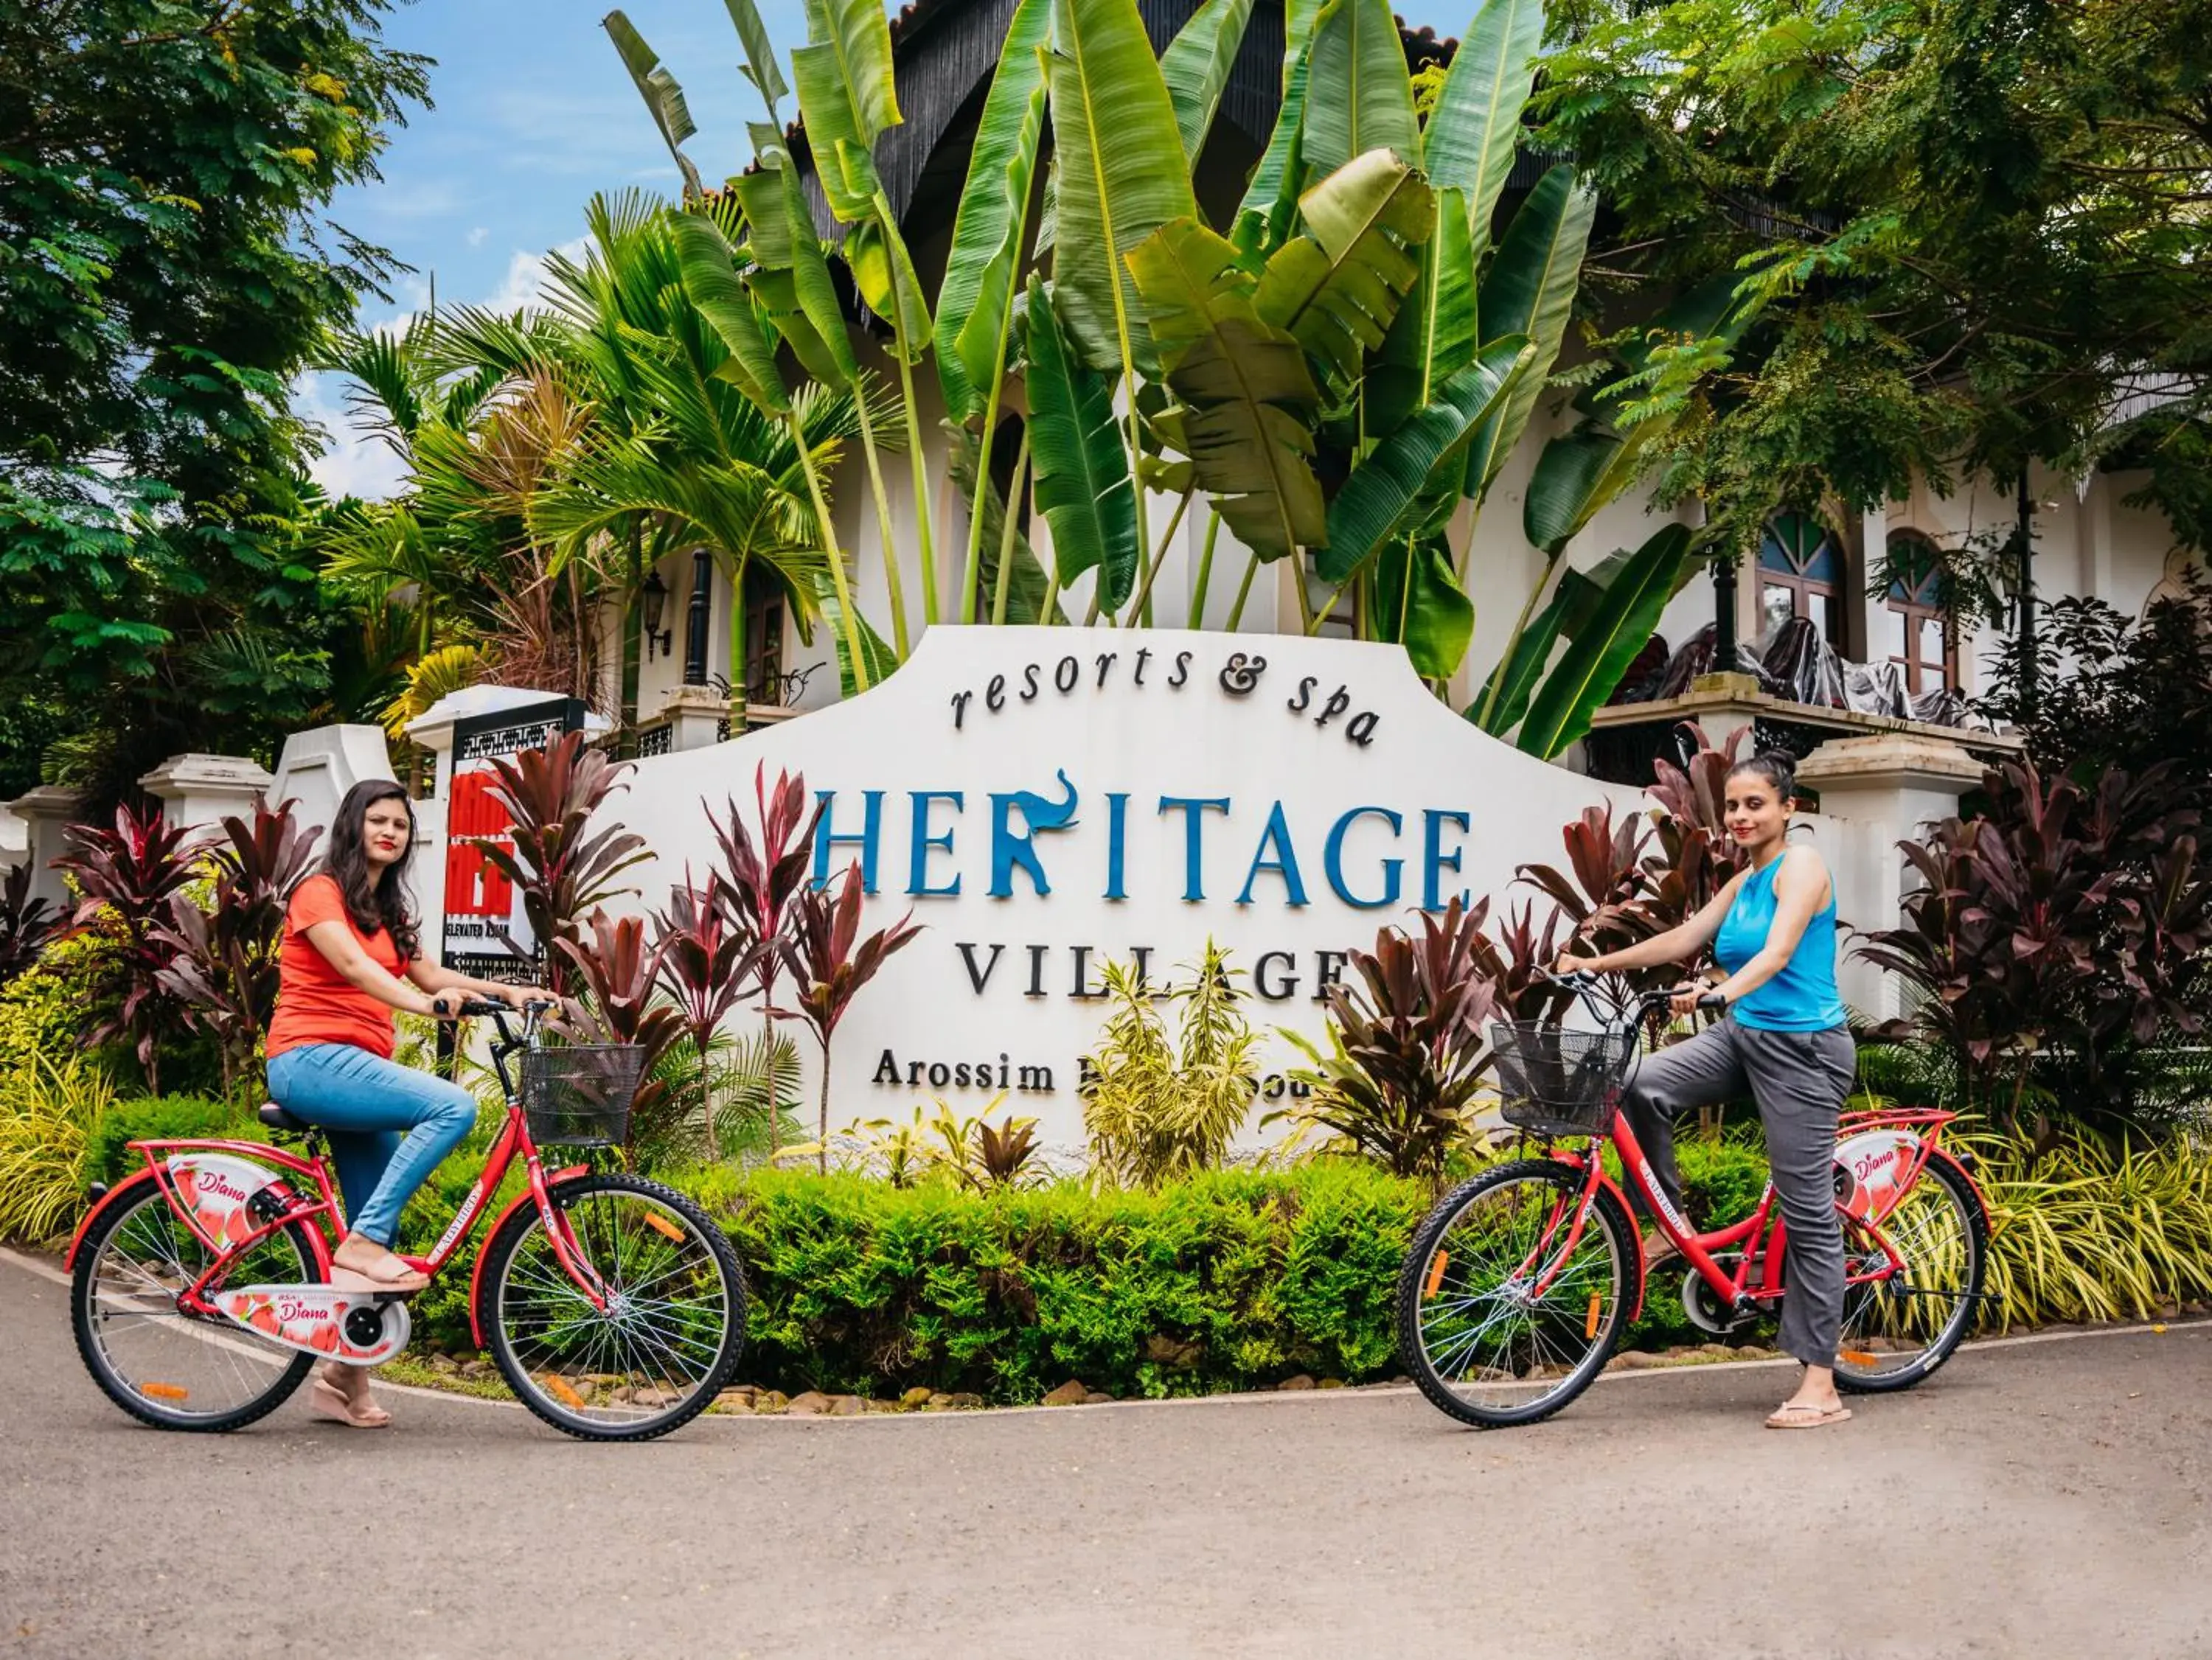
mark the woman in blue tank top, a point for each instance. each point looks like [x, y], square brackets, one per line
[1785, 1040]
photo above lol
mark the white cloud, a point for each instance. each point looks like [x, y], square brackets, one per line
[476, 235]
[354, 464]
[525, 278]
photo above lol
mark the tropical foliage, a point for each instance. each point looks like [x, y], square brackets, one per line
[1156, 1104]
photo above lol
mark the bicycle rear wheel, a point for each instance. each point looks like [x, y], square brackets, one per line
[1898, 1329]
[170, 1368]
[670, 1332]
[1481, 1340]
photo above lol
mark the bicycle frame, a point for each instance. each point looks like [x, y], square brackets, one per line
[323, 1216]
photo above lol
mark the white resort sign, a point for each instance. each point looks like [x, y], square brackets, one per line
[1046, 800]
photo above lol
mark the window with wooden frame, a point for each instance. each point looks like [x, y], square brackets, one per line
[1801, 574]
[763, 623]
[1918, 629]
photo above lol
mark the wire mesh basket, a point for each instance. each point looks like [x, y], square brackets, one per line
[1559, 1082]
[580, 1095]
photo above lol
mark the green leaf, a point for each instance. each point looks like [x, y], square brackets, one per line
[760, 55]
[1589, 670]
[1390, 491]
[791, 275]
[710, 282]
[883, 273]
[825, 105]
[1475, 126]
[1026, 584]
[1264, 217]
[1529, 289]
[1505, 695]
[1083, 482]
[974, 302]
[1196, 67]
[1432, 337]
[1417, 601]
[664, 99]
[1119, 169]
[1359, 96]
[876, 657]
[859, 32]
[1248, 399]
[1338, 287]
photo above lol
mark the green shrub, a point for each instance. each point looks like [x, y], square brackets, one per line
[47, 1009]
[162, 1119]
[1224, 1281]
[49, 1111]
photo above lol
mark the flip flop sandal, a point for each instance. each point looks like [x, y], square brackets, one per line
[1789, 1415]
[326, 1400]
[405, 1283]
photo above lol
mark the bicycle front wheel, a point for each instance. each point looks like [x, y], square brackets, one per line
[1505, 1310]
[156, 1360]
[663, 1338]
[1900, 1323]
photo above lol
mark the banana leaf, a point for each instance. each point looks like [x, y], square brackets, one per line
[1338, 287]
[664, 98]
[859, 32]
[1248, 399]
[876, 657]
[980, 272]
[760, 65]
[1394, 488]
[790, 274]
[1529, 289]
[1084, 486]
[711, 283]
[1414, 598]
[1588, 672]
[1359, 96]
[1196, 67]
[1119, 169]
[1271, 200]
[1475, 126]
[1026, 583]
[1433, 335]
[889, 285]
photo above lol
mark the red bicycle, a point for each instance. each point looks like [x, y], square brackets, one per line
[1520, 1280]
[613, 1307]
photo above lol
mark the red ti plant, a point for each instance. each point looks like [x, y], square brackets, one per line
[832, 963]
[760, 883]
[25, 924]
[705, 961]
[617, 975]
[562, 868]
[1696, 857]
[224, 966]
[130, 874]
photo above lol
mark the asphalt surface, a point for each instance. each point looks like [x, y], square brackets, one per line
[2043, 1499]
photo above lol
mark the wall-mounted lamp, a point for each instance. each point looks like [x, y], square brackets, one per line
[653, 605]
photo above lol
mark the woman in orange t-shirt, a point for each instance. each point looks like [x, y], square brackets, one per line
[350, 954]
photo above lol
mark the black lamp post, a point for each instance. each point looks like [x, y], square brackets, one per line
[697, 612]
[653, 605]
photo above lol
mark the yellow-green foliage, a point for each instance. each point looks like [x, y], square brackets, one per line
[49, 1109]
[46, 1010]
[1155, 1106]
[2095, 1230]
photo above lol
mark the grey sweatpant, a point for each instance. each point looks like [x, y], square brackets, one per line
[1800, 1080]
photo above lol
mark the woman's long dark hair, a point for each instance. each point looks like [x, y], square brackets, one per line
[381, 903]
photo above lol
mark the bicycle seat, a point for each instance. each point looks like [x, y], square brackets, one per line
[274, 1117]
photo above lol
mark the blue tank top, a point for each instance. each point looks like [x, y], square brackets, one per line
[1802, 997]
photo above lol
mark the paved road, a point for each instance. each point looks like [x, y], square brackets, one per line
[2044, 1500]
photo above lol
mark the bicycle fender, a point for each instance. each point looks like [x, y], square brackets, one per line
[476, 1274]
[139, 1179]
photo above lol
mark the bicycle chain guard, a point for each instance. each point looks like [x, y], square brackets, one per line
[352, 1326]
[217, 1190]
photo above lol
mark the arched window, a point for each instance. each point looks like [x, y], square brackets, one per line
[1801, 574]
[1922, 636]
[763, 623]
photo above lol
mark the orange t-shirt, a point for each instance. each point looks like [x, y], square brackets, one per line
[315, 1003]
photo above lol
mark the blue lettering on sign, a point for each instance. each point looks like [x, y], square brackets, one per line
[1117, 835]
[1194, 809]
[869, 838]
[1434, 860]
[1283, 864]
[924, 843]
[1332, 859]
[1009, 850]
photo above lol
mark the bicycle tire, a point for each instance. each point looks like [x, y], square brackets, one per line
[121, 1208]
[1612, 1224]
[1976, 1230]
[499, 1262]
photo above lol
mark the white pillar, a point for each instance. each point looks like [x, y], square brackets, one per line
[697, 716]
[198, 791]
[47, 812]
[318, 766]
[1882, 790]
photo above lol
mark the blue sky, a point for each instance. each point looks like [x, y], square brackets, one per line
[534, 113]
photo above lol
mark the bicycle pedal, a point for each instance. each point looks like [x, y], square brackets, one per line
[360, 1329]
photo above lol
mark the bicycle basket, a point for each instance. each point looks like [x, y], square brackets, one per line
[580, 1095]
[1558, 1082]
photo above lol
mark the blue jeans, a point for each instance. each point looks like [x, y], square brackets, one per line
[365, 1101]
